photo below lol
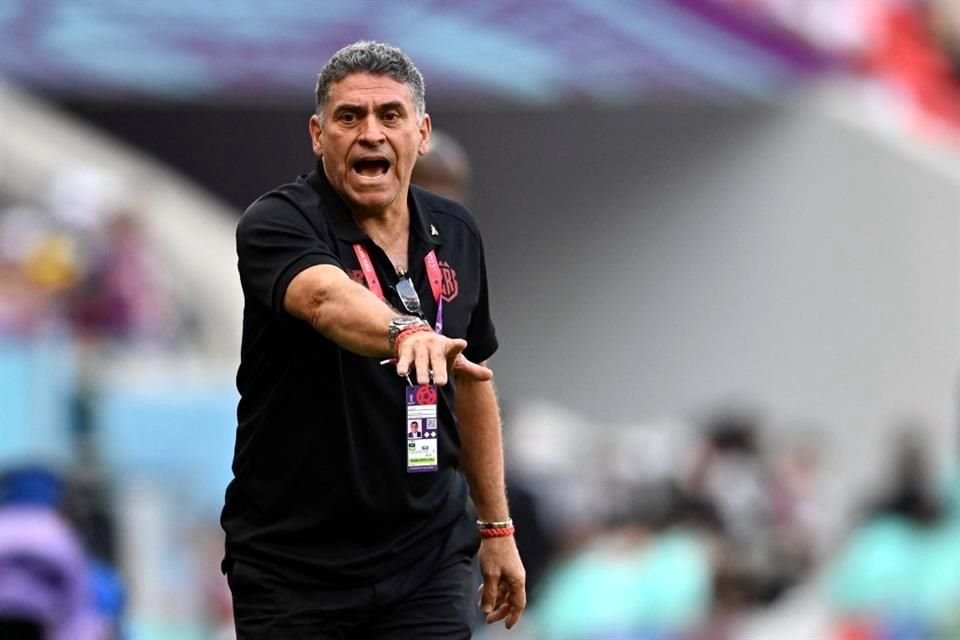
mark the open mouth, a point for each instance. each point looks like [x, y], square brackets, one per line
[371, 167]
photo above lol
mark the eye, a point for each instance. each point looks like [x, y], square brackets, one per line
[391, 117]
[348, 117]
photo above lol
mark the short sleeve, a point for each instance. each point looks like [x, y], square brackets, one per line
[481, 334]
[275, 242]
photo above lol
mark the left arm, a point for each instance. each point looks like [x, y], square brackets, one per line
[504, 579]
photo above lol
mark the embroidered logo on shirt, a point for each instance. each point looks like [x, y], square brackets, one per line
[450, 287]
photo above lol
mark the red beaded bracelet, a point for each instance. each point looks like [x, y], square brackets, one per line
[408, 332]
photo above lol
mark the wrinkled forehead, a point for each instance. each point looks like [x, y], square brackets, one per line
[369, 89]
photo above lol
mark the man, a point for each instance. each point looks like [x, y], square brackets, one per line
[414, 429]
[336, 528]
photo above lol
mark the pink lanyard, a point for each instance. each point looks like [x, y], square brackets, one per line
[433, 275]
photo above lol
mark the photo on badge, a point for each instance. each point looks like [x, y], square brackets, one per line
[414, 430]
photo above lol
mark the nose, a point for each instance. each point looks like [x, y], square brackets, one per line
[371, 132]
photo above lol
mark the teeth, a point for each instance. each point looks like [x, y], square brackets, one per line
[371, 168]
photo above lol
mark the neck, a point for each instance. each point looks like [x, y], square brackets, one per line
[390, 231]
[380, 223]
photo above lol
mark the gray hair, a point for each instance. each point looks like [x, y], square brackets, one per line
[377, 58]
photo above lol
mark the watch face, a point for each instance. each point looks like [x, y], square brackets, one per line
[406, 321]
[398, 324]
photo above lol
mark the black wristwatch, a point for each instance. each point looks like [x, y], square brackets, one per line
[398, 324]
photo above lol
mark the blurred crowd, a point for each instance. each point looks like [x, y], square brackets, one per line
[76, 261]
[78, 271]
[660, 534]
[646, 533]
[898, 576]
[58, 579]
[63, 574]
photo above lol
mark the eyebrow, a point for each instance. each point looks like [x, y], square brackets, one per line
[340, 108]
[380, 108]
[396, 104]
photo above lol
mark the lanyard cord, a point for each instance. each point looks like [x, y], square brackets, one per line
[433, 275]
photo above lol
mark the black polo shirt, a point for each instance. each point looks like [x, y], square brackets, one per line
[320, 492]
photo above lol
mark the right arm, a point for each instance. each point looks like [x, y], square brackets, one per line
[342, 310]
[352, 316]
[286, 266]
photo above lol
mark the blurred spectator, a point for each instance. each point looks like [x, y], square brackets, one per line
[634, 580]
[444, 169]
[899, 573]
[120, 298]
[36, 489]
[799, 519]
[769, 534]
[33, 267]
[44, 582]
[32, 485]
[83, 263]
[731, 474]
[21, 308]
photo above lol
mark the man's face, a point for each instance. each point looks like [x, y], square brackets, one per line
[369, 139]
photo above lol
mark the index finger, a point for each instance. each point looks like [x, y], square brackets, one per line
[404, 360]
[488, 594]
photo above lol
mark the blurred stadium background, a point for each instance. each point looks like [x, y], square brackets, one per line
[724, 246]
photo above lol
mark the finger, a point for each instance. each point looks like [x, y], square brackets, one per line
[517, 593]
[422, 364]
[518, 602]
[503, 605]
[498, 614]
[514, 617]
[438, 365]
[463, 367]
[454, 348]
[404, 359]
[488, 597]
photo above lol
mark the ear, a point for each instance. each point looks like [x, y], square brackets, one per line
[316, 129]
[425, 128]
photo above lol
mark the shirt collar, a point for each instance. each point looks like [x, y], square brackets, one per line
[421, 222]
[343, 223]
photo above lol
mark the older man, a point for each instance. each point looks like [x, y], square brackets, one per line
[366, 308]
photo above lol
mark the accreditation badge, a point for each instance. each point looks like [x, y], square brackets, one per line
[421, 428]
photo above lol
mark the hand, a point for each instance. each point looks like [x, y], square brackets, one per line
[433, 354]
[503, 593]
